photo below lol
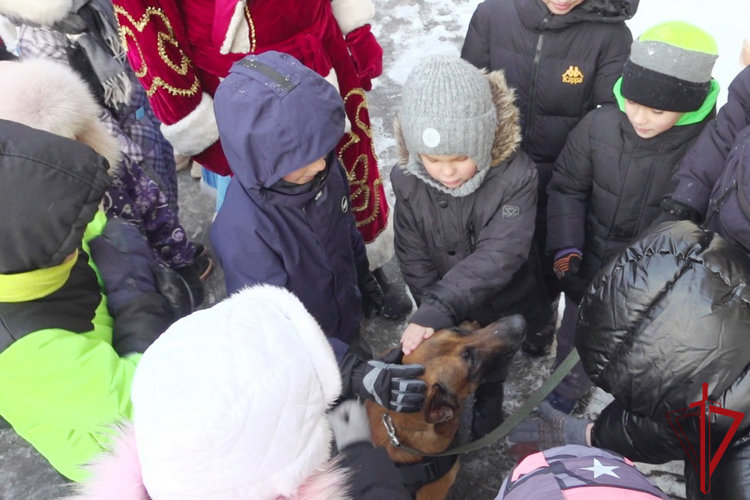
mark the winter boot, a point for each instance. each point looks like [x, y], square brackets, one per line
[175, 289]
[539, 343]
[397, 304]
[200, 250]
[487, 414]
[195, 274]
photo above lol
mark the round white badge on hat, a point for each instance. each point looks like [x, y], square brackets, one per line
[431, 137]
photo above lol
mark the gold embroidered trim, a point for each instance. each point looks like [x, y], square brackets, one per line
[158, 83]
[362, 190]
[161, 38]
[375, 204]
[252, 28]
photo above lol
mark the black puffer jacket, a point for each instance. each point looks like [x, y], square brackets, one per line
[669, 314]
[468, 257]
[562, 67]
[608, 183]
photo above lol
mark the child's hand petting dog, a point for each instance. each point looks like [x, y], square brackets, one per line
[413, 336]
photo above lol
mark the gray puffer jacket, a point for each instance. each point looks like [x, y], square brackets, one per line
[470, 257]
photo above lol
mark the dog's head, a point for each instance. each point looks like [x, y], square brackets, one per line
[456, 360]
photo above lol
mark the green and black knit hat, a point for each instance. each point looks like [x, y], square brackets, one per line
[670, 67]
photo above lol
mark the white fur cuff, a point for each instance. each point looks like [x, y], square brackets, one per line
[351, 14]
[196, 132]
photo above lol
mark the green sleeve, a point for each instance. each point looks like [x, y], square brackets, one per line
[60, 390]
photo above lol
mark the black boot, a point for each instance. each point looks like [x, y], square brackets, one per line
[175, 289]
[194, 274]
[539, 343]
[397, 304]
[488, 409]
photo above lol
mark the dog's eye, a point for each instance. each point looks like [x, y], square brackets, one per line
[469, 356]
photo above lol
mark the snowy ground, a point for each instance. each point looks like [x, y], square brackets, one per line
[409, 30]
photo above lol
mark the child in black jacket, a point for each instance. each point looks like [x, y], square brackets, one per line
[616, 166]
[562, 58]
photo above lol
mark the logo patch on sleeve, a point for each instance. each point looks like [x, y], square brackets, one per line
[510, 211]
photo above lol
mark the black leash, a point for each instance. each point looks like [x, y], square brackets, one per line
[503, 429]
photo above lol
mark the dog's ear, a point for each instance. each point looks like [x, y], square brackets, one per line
[440, 406]
[469, 325]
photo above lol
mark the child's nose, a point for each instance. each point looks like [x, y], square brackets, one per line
[640, 117]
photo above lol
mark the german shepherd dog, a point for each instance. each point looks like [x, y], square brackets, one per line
[455, 361]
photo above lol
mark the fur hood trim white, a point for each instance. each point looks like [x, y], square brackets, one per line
[50, 96]
[230, 401]
[116, 475]
[44, 12]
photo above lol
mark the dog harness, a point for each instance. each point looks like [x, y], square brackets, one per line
[430, 469]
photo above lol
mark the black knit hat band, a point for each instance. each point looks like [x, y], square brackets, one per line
[661, 91]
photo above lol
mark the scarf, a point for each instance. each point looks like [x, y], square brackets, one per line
[91, 25]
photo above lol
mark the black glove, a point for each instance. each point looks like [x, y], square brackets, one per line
[389, 384]
[372, 296]
[567, 266]
[126, 263]
[674, 210]
[132, 286]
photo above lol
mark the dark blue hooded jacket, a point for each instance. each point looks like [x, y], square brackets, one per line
[704, 164]
[276, 116]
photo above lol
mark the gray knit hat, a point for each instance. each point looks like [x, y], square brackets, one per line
[448, 110]
[669, 67]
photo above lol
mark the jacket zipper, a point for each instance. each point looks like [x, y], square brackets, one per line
[534, 71]
[472, 238]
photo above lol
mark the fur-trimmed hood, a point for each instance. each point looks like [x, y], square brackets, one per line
[230, 403]
[42, 12]
[50, 96]
[508, 131]
[117, 476]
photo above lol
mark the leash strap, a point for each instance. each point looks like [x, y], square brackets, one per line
[508, 425]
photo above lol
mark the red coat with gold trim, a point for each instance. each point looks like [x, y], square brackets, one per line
[180, 50]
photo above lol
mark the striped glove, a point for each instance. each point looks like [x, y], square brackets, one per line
[567, 261]
[567, 265]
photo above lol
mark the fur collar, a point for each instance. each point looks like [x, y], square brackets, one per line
[42, 12]
[50, 96]
[507, 134]
[116, 475]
